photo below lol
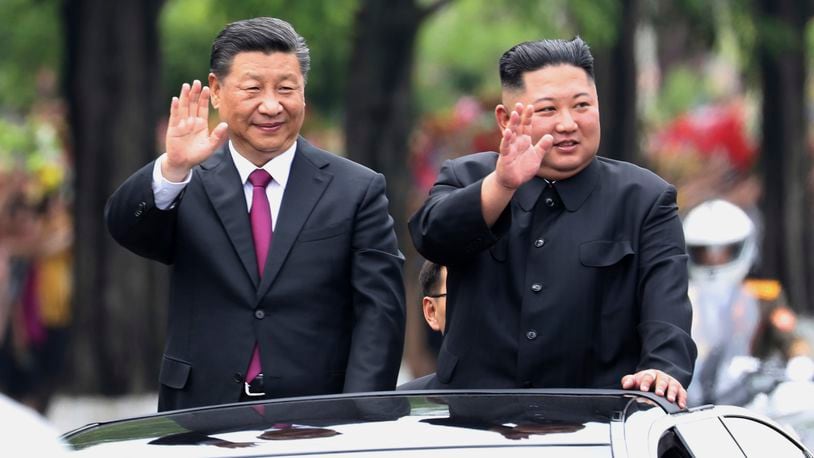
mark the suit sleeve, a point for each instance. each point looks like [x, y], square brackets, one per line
[666, 313]
[378, 296]
[449, 228]
[136, 223]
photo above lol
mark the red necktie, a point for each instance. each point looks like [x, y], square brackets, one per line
[260, 215]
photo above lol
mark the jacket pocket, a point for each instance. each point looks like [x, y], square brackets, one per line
[446, 365]
[174, 372]
[604, 253]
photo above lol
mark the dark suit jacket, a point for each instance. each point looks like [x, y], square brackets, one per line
[328, 313]
[574, 286]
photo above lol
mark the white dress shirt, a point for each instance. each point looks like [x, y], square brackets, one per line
[165, 191]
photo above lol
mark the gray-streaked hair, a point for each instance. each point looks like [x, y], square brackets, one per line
[265, 34]
[534, 55]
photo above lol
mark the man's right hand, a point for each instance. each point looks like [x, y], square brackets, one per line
[520, 159]
[189, 141]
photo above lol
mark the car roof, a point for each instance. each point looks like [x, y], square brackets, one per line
[449, 420]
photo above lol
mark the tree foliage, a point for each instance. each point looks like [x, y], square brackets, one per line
[32, 43]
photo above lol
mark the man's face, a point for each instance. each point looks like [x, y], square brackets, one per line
[262, 98]
[567, 107]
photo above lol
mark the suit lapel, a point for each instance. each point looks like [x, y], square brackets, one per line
[222, 184]
[306, 184]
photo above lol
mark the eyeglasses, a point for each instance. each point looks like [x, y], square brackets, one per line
[436, 296]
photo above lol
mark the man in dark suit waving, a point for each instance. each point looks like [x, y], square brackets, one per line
[286, 274]
[564, 269]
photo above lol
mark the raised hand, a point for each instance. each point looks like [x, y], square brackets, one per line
[520, 158]
[189, 141]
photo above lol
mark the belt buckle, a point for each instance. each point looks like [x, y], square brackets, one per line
[247, 387]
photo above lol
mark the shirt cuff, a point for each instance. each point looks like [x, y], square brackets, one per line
[164, 191]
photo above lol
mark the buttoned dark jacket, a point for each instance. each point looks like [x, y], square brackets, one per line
[575, 285]
[328, 314]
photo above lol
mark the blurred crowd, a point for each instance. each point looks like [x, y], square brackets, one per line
[36, 237]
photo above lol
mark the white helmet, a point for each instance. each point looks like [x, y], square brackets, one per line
[721, 243]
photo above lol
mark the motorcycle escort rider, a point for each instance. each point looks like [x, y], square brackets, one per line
[737, 321]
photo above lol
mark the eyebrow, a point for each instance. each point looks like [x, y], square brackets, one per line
[551, 99]
[258, 76]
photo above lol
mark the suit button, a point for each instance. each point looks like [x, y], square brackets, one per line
[140, 210]
[537, 287]
[531, 334]
[259, 314]
[539, 243]
[237, 377]
[549, 202]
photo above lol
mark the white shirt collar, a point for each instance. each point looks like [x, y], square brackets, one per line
[279, 167]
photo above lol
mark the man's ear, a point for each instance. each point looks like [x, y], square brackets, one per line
[430, 312]
[214, 90]
[502, 116]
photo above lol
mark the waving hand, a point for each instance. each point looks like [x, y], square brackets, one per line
[520, 159]
[189, 141]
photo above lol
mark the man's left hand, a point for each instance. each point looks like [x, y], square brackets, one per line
[659, 382]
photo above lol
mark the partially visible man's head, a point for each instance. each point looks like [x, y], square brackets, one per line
[556, 78]
[433, 281]
[257, 78]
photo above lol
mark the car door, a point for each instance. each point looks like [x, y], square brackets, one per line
[721, 431]
[757, 438]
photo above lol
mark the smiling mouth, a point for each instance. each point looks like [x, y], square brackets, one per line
[566, 144]
[268, 126]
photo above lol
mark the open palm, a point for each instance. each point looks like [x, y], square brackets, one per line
[520, 158]
[189, 141]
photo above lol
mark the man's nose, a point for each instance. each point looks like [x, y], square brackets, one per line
[270, 105]
[566, 122]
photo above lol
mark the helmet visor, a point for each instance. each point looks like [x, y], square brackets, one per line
[714, 255]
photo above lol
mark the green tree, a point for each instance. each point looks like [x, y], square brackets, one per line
[31, 37]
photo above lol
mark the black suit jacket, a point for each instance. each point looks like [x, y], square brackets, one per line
[328, 313]
[576, 285]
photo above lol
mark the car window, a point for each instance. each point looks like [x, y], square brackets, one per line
[671, 446]
[760, 439]
[708, 437]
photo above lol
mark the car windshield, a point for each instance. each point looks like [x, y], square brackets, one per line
[447, 424]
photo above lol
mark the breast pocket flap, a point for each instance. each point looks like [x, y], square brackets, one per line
[604, 253]
[331, 230]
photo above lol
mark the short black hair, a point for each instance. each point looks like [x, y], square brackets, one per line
[430, 278]
[265, 34]
[534, 55]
